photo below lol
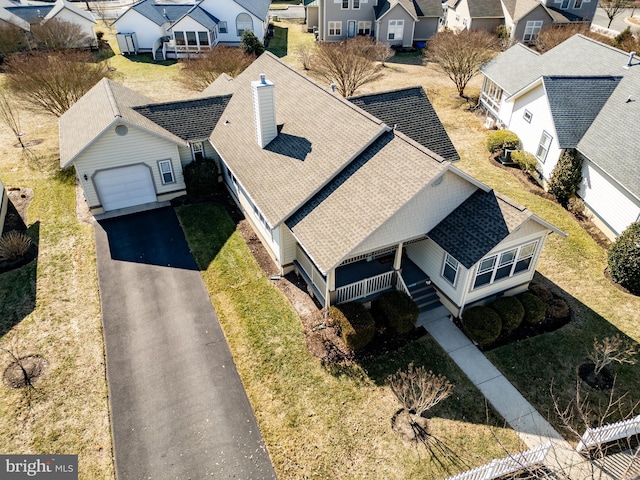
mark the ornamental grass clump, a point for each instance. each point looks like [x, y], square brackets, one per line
[13, 245]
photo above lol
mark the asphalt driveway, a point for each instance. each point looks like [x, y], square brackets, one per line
[178, 407]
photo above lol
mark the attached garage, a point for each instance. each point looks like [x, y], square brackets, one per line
[125, 187]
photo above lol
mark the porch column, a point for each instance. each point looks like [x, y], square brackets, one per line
[397, 261]
[331, 286]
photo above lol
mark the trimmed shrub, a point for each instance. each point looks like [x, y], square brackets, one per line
[511, 312]
[534, 308]
[566, 177]
[482, 324]
[624, 259]
[13, 245]
[251, 44]
[558, 309]
[400, 311]
[525, 160]
[357, 326]
[501, 139]
[542, 292]
[201, 178]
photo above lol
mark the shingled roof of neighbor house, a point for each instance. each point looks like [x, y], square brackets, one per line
[428, 8]
[189, 119]
[384, 6]
[411, 112]
[160, 13]
[201, 16]
[259, 8]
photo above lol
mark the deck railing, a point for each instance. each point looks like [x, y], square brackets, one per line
[400, 285]
[505, 466]
[609, 433]
[364, 288]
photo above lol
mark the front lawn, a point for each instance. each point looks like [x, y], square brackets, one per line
[327, 422]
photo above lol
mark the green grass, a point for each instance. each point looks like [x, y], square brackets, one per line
[326, 422]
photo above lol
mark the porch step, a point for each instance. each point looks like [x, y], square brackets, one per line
[424, 295]
[158, 56]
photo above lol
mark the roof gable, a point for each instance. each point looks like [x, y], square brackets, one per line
[31, 13]
[385, 6]
[188, 120]
[485, 9]
[411, 112]
[428, 8]
[160, 13]
[198, 14]
[259, 8]
[64, 5]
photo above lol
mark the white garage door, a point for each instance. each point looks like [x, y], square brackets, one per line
[125, 187]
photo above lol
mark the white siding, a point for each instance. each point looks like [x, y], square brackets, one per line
[420, 214]
[614, 208]
[537, 104]
[69, 16]
[112, 150]
[264, 233]
[228, 10]
[461, 12]
[147, 32]
[188, 24]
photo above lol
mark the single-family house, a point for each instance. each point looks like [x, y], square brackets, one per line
[178, 29]
[24, 14]
[351, 203]
[580, 96]
[523, 18]
[397, 22]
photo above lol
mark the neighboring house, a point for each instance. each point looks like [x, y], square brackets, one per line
[4, 204]
[24, 14]
[397, 22]
[580, 96]
[523, 18]
[169, 29]
[352, 204]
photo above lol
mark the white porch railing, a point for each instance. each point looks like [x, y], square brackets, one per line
[505, 466]
[365, 287]
[609, 433]
[400, 285]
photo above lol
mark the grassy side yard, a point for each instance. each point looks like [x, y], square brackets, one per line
[51, 308]
[327, 422]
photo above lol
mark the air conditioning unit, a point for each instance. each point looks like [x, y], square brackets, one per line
[489, 123]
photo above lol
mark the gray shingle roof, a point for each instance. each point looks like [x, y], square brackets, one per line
[331, 130]
[575, 102]
[259, 8]
[485, 9]
[385, 5]
[104, 105]
[190, 119]
[203, 17]
[30, 13]
[412, 112]
[519, 8]
[160, 13]
[428, 8]
[223, 85]
[362, 197]
[477, 226]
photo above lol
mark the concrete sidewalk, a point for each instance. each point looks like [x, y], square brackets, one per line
[525, 420]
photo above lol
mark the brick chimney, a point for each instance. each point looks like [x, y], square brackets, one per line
[264, 110]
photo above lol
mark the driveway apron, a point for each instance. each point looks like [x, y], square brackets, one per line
[178, 407]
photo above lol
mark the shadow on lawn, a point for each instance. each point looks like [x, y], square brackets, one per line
[278, 44]
[18, 286]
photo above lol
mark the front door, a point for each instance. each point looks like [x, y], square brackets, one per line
[351, 29]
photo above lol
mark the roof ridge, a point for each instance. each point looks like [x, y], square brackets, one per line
[583, 37]
[510, 202]
[395, 90]
[115, 106]
[177, 102]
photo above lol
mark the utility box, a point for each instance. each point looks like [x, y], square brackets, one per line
[127, 43]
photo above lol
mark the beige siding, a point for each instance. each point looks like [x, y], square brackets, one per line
[112, 151]
[420, 214]
[396, 13]
[263, 232]
[288, 243]
[4, 203]
[185, 155]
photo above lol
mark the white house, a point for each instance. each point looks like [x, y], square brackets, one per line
[580, 96]
[176, 29]
[24, 14]
[354, 206]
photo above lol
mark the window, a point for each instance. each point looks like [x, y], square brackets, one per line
[335, 29]
[564, 4]
[504, 264]
[364, 28]
[191, 39]
[527, 116]
[197, 151]
[243, 22]
[543, 147]
[222, 27]
[345, 4]
[356, 4]
[531, 31]
[179, 38]
[465, 23]
[203, 39]
[450, 269]
[491, 95]
[166, 171]
[577, 4]
[396, 30]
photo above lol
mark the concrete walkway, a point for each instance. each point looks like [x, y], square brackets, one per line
[530, 426]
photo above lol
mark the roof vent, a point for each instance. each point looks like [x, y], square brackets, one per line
[264, 110]
[631, 57]
[333, 87]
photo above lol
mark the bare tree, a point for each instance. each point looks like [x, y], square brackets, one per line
[419, 390]
[612, 350]
[349, 65]
[551, 36]
[103, 12]
[58, 34]
[461, 54]
[612, 8]
[304, 53]
[9, 115]
[12, 38]
[198, 72]
[52, 82]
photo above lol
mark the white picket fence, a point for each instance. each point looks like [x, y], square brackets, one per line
[609, 433]
[504, 466]
[364, 288]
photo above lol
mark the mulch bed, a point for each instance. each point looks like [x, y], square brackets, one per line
[25, 371]
[16, 219]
